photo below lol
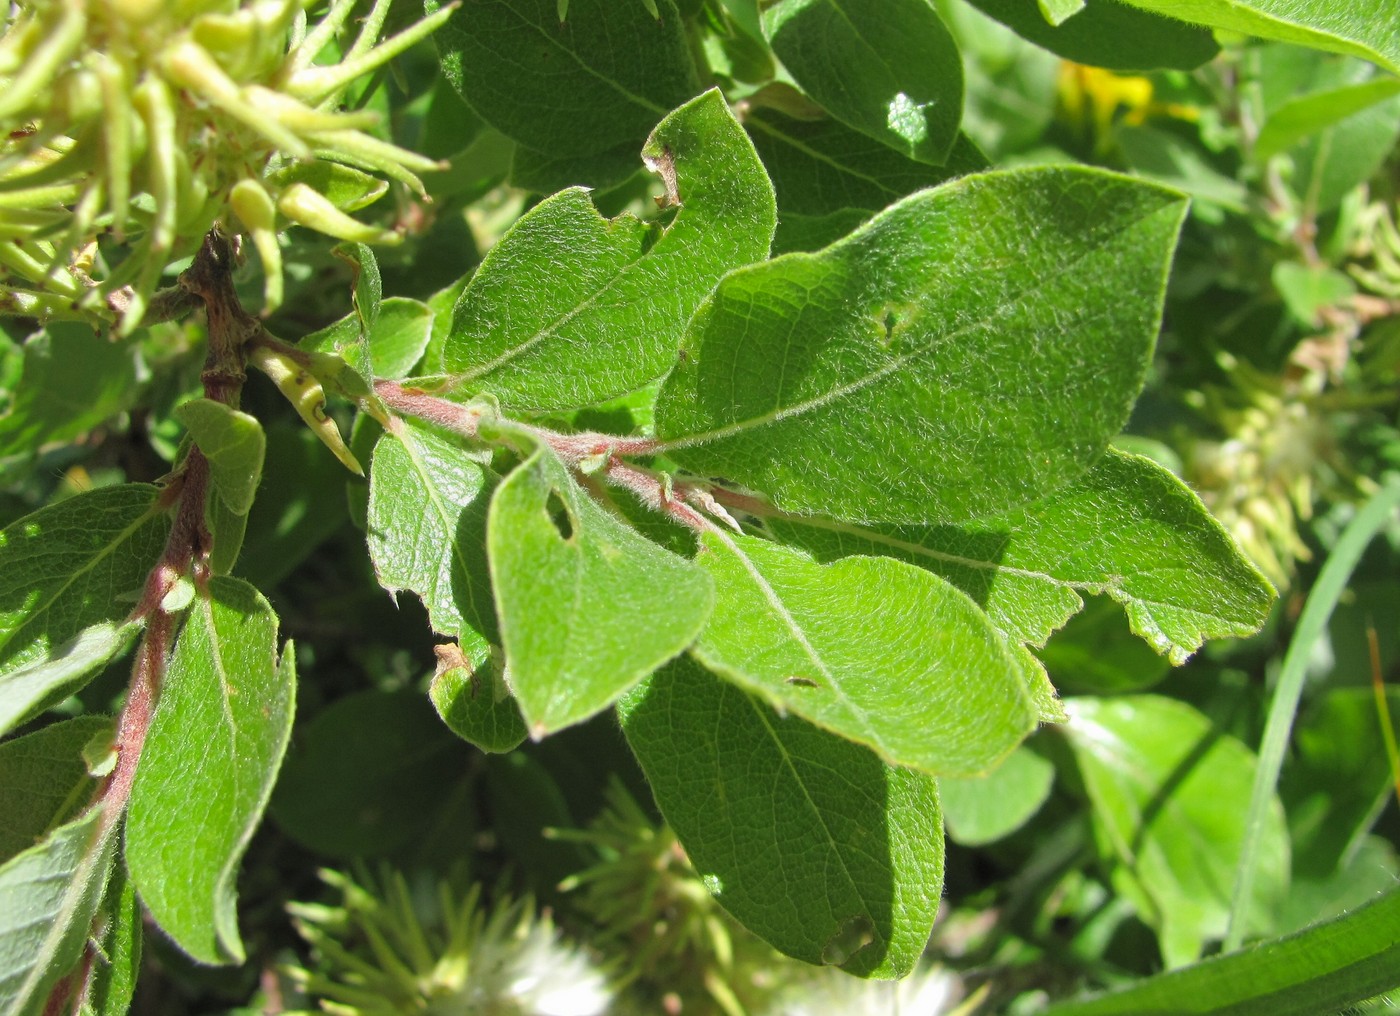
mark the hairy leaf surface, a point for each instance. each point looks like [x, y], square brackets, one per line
[48, 896]
[809, 840]
[588, 606]
[207, 769]
[570, 308]
[428, 496]
[870, 648]
[44, 779]
[1127, 528]
[973, 347]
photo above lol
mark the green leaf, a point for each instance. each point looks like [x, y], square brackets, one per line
[972, 348]
[347, 188]
[593, 83]
[607, 318]
[208, 765]
[44, 780]
[366, 295]
[546, 172]
[366, 775]
[1308, 289]
[72, 565]
[427, 527]
[984, 809]
[28, 689]
[1174, 161]
[809, 840]
[72, 380]
[1337, 777]
[474, 702]
[1370, 30]
[118, 945]
[821, 167]
[1311, 114]
[587, 606]
[1057, 12]
[397, 339]
[234, 444]
[891, 71]
[1108, 33]
[869, 648]
[49, 895]
[1323, 969]
[1169, 794]
[1344, 156]
[1128, 529]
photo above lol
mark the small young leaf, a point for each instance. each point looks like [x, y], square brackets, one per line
[973, 347]
[397, 339]
[891, 70]
[474, 702]
[1128, 528]
[599, 80]
[1169, 793]
[49, 895]
[234, 444]
[367, 294]
[809, 840]
[427, 527]
[588, 607]
[208, 765]
[607, 318]
[1107, 33]
[43, 780]
[869, 648]
[347, 188]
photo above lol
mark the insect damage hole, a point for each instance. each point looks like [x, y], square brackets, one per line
[559, 517]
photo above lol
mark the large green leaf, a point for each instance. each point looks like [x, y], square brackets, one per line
[606, 301]
[1170, 793]
[890, 70]
[48, 897]
[1107, 33]
[1369, 29]
[587, 606]
[810, 841]
[43, 780]
[1323, 969]
[872, 649]
[972, 348]
[597, 81]
[1127, 528]
[208, 765]
[427, 526]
